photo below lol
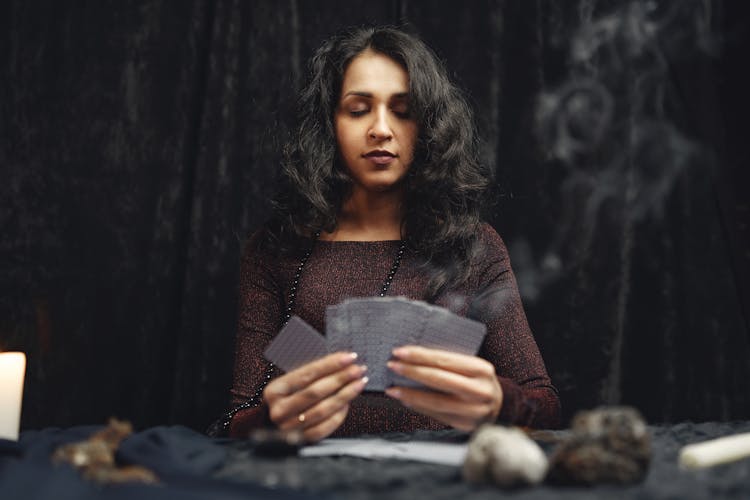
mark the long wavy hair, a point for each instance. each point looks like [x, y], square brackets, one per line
[445, 184]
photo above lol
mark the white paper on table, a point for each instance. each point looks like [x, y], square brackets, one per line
[378, 449]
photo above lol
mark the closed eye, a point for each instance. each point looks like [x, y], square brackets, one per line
[400, 107]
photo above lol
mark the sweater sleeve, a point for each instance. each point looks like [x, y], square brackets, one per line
[529, 398]
[261, 300]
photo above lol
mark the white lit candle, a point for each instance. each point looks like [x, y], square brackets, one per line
[12, 370]
[716, 451]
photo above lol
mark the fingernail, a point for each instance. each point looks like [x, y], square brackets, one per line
[400, 352]
[363, 382]
[362, 368]
[395, 366]
[348, 358]
[393, 392]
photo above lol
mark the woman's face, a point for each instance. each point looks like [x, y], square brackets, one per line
[374, 129]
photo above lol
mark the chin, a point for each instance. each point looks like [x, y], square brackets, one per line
[383, 186]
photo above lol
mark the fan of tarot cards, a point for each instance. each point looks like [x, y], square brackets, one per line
[372, 327]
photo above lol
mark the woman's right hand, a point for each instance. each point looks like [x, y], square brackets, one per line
[315, 397]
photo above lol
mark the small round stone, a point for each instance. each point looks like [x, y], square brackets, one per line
[505, 456]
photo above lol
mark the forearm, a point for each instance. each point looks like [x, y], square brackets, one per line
[245, 421]
[536, 406]
[529, 398]
[259, 315]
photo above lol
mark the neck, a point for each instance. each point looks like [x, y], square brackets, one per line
[367, 216]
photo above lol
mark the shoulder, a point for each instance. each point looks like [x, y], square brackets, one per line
[253, 258]
[269, 248]
[262, 247]
[256, 243]
[490, 262]
[261, 262]
[490, 242]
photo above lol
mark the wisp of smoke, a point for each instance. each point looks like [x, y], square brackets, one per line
[608, 125]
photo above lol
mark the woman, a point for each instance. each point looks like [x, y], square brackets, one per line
[381, 194]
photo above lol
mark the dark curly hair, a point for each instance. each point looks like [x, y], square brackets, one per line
[445, 184]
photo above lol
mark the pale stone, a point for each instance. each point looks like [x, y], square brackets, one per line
[505, 456]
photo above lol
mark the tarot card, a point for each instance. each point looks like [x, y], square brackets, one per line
[373, 326]
[296, 344]
[407, 320]
[338, 337]
[368, 336]
[445, 330]
[441, 329]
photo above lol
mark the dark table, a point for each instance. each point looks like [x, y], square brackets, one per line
[192, 466]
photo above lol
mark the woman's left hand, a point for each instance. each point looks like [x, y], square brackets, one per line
[469, 392]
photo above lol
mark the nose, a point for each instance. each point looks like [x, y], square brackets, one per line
[380, 129]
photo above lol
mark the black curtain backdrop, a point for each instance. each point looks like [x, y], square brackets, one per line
[139, 142]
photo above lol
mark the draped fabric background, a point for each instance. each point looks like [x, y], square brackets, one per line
[139, 142]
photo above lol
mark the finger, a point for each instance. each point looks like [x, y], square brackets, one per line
[457, 421]
[443, 407]
[303, 376]
[472, 366]
[313, 414]
[467, 388]
[319, 390]
[326, 427]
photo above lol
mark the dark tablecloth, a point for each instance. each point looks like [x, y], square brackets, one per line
[185, 462]
[193, 466]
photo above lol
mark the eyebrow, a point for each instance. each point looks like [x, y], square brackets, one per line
[358, 93]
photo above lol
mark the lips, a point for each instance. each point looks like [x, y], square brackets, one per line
[380, 156]
[379, 153]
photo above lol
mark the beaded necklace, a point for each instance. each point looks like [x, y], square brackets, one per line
[221, 426]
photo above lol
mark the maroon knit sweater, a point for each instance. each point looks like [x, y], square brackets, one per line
[337, 270]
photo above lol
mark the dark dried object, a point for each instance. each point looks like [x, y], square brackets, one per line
[276, 443]
[95, 457]
[607, 445]
[116, 475]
